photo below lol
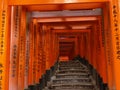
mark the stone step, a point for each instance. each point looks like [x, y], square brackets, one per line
[72, 68]
[72, 71]
[71, 89]
[72, 85]
[62, 64]
[70, 63]
[77, 61]
[69, 80]
[72, 75]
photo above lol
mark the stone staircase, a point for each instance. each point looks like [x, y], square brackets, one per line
[71, 75]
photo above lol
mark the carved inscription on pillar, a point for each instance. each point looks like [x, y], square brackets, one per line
[2, 33]
[116, 31]
[2, 46]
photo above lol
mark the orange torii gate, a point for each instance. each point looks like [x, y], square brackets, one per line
[112, 38]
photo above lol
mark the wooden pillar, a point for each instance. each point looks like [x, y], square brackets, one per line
[44, 48]
[34, 61]
[36, 53]
[14, 45]
[81, 45]
[27, 50]
[115, 38]
[76, 46]
[85, 45]
[93, 45]
[40, 53]
[51, 53]
[108, 47]
[47, 44]
[31, 58]
[102, 58]
[22, 49]
[56, 47]
[97, 54]
[52, 48]
[4, 44]
[88, 47]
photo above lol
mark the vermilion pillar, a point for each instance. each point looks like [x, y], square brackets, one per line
[88, 46]
[108, 48]
[81, 45]
[31, 58]
[36, 30]
[52, 48]
[41, 50]
[22, 50]
[93, 44]
[102, 58]
[115, 39]
[14, 45]
[4, 44]
[44, 48]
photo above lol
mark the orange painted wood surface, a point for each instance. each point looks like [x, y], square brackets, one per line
[63, 58]
[22, 51]
[4, 44]
[115, 38]
[37, 70]
[40, 52]
[108, 46]
[103, 61]
[100, 54]
[93, 47]
[31, 76]
[14, 45]
[32, 2]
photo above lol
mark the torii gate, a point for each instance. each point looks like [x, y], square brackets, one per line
[112, 47]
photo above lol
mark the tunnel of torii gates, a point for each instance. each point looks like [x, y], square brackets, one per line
[31, 44]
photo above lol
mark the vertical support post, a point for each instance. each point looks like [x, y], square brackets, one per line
[115, 35]
[76, 46]
[31, 59]
[102, 58]
[44, 48]
[27, 59]
[93, 47]
[81, 45]
[14, 55]
[88, 46]
[47, 48]
[22, 48]
[108, 47]
[51, 48]
[4, 44]
[34, 61]
[40, 50]
[37, 53]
